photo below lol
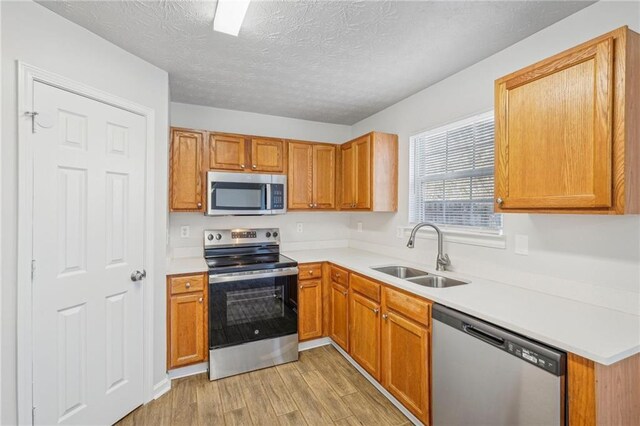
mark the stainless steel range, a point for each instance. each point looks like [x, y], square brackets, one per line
[253, 313]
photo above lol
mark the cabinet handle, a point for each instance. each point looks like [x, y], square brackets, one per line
[200, 300]
[385, 316]
[499, 201]
[301, 287]
[188, 285]
[375, 311]
[242, 166]
[199, 205]
[254, 167]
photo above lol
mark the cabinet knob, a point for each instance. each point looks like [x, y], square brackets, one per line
[254, 167]
[310, 272]
[385, 316]
[301, 287]
[315, 206]
[344, 293]
[188, 285]
[311, 205]
[376, 311]
[200, 300]
[242, 166]
[499, 201]
[199, 205]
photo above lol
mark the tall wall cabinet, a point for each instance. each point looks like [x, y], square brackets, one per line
[568, 133]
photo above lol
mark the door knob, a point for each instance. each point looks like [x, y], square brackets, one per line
[138, 276]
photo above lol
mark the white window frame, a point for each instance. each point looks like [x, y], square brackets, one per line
[494, 238]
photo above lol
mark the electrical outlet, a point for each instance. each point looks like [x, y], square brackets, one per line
[359, 226]
[185, 231]
[522, 244]
[299, 227]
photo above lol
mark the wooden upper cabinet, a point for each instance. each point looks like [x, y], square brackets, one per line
[186, 182]
[566, 139]
[267, 155]
[311, 177]
[369, 173]
[227, 152]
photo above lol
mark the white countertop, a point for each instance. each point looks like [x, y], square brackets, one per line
[593, 332]
[186, 265]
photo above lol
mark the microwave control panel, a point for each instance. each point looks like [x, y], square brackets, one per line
[277, 196]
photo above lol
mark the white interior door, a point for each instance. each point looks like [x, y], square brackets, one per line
[88, 211]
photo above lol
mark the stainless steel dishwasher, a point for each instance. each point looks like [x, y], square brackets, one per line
[486, 375]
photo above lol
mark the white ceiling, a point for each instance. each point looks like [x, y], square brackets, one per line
[329, 61]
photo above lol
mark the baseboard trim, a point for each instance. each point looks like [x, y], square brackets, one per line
[161, 388]
[189, 370]
[378, 386]
[315, 343]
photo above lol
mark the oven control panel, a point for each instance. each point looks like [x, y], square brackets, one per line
[231, 237]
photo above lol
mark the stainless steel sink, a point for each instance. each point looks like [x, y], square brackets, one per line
[419, 277]
[403, 272]
[436, 281]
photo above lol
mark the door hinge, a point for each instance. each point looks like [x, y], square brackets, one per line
[32, 114]
[33, 268]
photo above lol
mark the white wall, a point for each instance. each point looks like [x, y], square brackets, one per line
[316, 226]
[591, 258]
[39, 37]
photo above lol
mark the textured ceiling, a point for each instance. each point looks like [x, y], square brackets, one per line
[330, 61]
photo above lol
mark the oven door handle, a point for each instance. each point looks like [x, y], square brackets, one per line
[224, 278]
[268, 204]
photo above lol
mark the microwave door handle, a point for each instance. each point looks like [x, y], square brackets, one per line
[268, 203]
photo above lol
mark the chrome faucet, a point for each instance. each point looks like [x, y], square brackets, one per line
[442, 261]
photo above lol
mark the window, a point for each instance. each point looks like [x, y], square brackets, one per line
[451, 179]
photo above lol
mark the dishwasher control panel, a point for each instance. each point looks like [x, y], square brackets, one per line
[532, 356]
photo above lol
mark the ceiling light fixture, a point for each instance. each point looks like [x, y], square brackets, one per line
[229, 16]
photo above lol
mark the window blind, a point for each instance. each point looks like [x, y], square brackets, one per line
[451, 175]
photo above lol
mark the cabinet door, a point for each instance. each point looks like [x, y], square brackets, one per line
[324, 176]
[347, 176]
[339, 330]
[299, 180]
[362, 172]
[405, 363]
[267, 155]
[310, 309]
[227, 152]
[188, 340]
[554, 132]
[186, 171]
[364, 333]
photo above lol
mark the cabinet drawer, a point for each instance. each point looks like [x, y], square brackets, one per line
[365, 287]
[186, 284]
[310, 271]
[414, 308]
[339, 275]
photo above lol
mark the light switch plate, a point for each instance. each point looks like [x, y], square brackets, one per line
[522, 244]
[185, 231]
[299, 227]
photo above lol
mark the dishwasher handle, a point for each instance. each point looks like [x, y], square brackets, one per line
[483, 335]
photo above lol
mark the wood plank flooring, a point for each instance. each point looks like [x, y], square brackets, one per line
[322, 388]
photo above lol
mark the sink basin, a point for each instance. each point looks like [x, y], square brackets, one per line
[436, 281]
[401, 271]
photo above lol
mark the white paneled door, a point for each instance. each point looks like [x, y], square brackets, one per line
[88, 207]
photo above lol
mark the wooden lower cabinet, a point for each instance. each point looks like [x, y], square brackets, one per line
[338, 321]
[309, 309]
[405, 363]
[187, 320]
[364, 333]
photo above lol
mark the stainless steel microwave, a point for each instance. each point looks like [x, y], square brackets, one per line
[246, 194]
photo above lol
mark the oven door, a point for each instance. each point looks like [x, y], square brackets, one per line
[238, 194]
[247, 308]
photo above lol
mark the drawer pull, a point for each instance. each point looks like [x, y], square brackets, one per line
[188, 285]
[310, 272]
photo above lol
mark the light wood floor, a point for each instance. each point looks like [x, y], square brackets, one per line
[322, 388]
